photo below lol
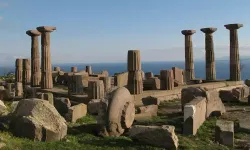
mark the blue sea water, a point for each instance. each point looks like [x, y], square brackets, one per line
[222, 68]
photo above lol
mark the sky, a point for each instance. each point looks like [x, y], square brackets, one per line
[93, 31]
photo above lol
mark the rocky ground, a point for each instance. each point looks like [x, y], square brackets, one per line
[82, 134]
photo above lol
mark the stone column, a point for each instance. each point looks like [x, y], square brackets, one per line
[96, 89]
[167, 79]
[209, 47]
[135, 79]
[46, 80]
[19, 70]
[73, 69]
[26, 72]
[189, 58]
[234, 52]
[35, 58]
[89, 69]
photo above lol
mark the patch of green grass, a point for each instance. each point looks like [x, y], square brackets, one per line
[88, 119]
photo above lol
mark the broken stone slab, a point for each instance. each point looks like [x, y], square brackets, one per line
[94, 106]
[152, 84]
[62, 105]
[39, 120]
[190, 93]
[149, 109]
[227, 96]
[160, 136]
[76, 112]
[194, 115]
[150, 101]
[45, 96]
[224, 132]
[3, 108]
[215, 107]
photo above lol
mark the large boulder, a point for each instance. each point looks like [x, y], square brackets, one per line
[3, 108]
[37, 119]
[160, 136]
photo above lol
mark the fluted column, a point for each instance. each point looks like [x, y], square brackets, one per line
[73, 69]
[46, 80]
[209, 47]
[26, 72]
[35, 58]
[235, 74]
[19, 70]
[89, 69]
[189, 58]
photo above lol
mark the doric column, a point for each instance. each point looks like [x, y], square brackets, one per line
[46, 80]
[35, 58]
[89, 69]
[19, 70]
[189, 58]
[73, 69]
[26, 72]
[209, 47]
[234, 52]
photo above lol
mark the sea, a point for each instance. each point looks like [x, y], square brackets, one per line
[222, 68]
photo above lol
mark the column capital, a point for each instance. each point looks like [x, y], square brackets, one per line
[33, 33]
[233, 26]
[46, 28]
[208, 30]
[188, 32]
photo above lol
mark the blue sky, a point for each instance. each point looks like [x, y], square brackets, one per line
[103, 30]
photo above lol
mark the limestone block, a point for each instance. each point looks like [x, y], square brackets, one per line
[134, 60]
[19, 89]
[215, 107]
[135, 82]
[150, 100]
[76, 112]
[167, 79]
[190, 93]
[94, 106]
[30, 92]
[178, 75]
[38, 120]
[62, 105]
[121, 80]
[224, 132]
[149, 75]
[45, 96]
[96, 89]
[57, 69]
[74, 69]
[149, 109]
[160, 136]
[194, 115]
[3, 108]
[151, 84]
[89, 69]
[107, 83]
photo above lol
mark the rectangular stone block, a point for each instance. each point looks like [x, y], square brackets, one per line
[194, 115]
[178, 75]
[224, 132]
[76, 112]
[149, 75]
[121, 80]
[152, 84]
[167, 79]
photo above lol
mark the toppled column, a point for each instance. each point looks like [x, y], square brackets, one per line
[35, 58]
[46, 80]
[74, 69]
[57, 69]
[19, 70]
[26, 72]
[189, 58]
[234, 52]
[209, 47]
[96, 89]
[167, 79]
[89, 70]
[135, 79]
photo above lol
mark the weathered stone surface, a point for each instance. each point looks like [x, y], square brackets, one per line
[235, 74]
[234, 95]
[77, 83]
[76, 112]
[160, 136]
[105, 73]
[149, 109]
[134, 60]
[89, 69]
[19, 70]
[62, 105]
[46, 68]
[94, 106]
[74, 69]
[120, 112]
[247, 82]
[190, 93]
[167, 79]
[96, 89]
[38, 120]
[107, 83]
[3, 108]
[210, 61]
[189, 58]
[149, 75]
[57, 69]
[135, 82]
[150, 101]
[26, 72]
[30, 92]
[215, 107]
[152, 84]
[45, 96]
[121, 79]
[194, 115]
[224, 132]
[19, 88]
[178, 75]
